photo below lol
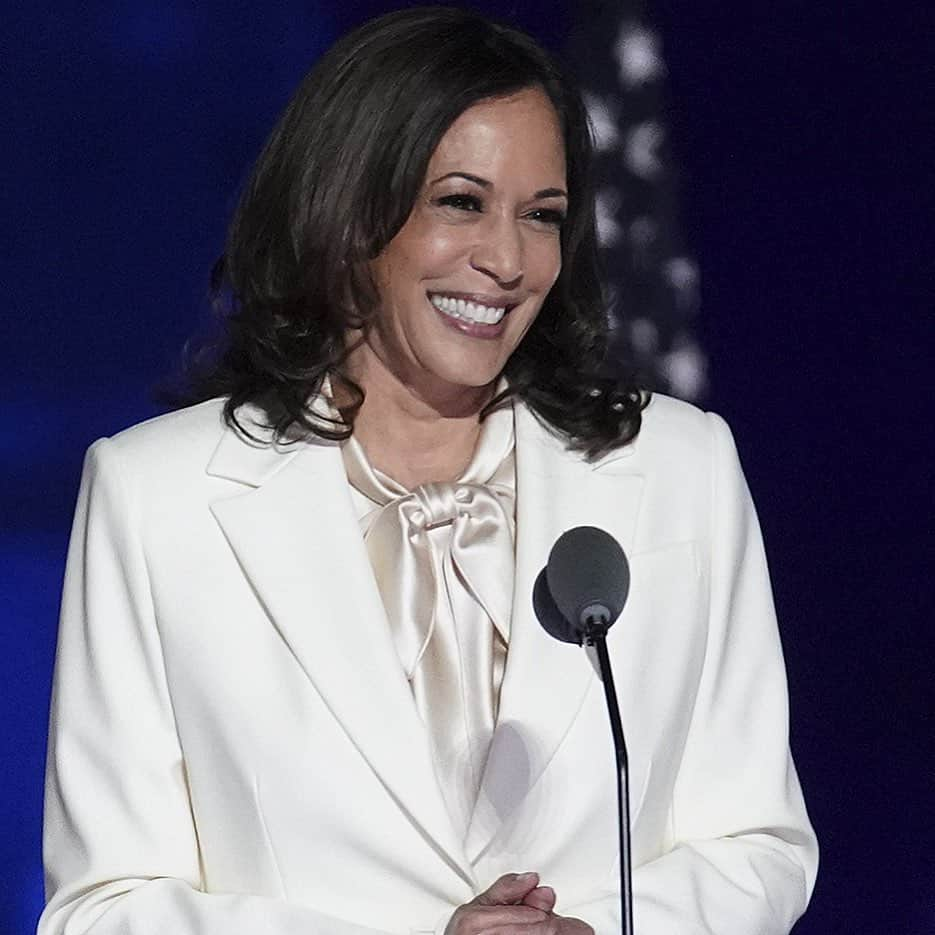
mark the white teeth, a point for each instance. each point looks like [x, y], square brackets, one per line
[469, 311]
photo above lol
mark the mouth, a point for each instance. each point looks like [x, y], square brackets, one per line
[471, 311]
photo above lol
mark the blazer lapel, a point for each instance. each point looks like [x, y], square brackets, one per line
[296, 536]
[545, 681]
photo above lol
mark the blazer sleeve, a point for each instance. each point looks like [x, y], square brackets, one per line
[744, 856]
[120, 844]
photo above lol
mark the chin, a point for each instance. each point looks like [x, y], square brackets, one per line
[467, 372]
[473, 364]
[474, 379]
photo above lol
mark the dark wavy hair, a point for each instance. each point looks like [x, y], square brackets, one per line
[333, 185]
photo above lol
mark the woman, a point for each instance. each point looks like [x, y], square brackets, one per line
[300, 686]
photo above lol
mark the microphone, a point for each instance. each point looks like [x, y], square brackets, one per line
[577, 597]
[584, 585]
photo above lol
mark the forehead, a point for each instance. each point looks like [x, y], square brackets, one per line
[505, 137]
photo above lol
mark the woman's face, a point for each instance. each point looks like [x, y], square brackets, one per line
[466, 275]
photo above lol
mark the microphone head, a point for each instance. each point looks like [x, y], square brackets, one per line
[588, 577]
[549, 615]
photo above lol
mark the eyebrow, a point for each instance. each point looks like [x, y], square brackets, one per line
[484, 183]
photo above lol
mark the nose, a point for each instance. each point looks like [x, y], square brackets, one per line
[499, 252]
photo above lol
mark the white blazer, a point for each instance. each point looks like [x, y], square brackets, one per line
[235, 750]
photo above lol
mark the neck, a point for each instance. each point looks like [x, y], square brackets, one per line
[415, 431]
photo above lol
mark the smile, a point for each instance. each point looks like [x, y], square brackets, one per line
[468, 311]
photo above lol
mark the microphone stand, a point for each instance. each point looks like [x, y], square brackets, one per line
[596, 635]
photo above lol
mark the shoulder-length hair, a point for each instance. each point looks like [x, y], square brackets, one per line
[337, 180]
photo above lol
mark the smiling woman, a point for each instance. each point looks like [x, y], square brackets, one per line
[481, 243]
[463, 280]
[351, 166]
[300, 688]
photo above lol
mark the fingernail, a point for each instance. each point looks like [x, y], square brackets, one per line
[528, 875]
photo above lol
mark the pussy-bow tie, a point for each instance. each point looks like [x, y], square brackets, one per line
[437, 546]
[442, 555]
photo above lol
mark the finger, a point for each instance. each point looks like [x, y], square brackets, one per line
[542, 897]
[546, 927]
[473, 920]
[568, 925]
[507, 890]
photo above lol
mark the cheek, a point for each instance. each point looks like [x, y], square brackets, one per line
[545, 262]
[428, 246]
[557, 270]
[440, 249]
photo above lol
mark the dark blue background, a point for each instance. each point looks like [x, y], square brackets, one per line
[805, 134]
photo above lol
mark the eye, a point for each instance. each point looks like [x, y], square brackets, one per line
[461, 202]
[551, 216]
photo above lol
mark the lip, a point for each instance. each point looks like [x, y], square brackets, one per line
[481, 298]
[470, 328]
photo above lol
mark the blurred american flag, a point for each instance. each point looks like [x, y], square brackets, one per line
[652, 280]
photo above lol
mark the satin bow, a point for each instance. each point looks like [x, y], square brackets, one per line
[433, 545]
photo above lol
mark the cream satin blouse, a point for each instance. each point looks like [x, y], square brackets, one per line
[443, 559]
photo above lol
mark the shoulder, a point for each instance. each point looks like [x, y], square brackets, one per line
[677, 432]
[184, 434]
[674, 436]
[164, 449]
[670, 421]
[688, 463]
[679, 449]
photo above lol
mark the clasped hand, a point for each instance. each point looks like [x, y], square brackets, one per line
[514, 905]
